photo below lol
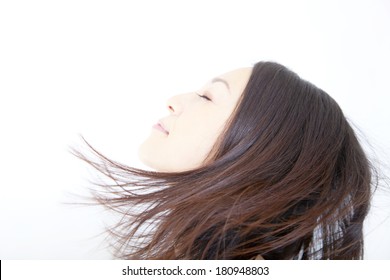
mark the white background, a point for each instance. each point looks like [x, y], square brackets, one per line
[103, 69]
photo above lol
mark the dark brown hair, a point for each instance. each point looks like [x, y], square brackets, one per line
[287, 179]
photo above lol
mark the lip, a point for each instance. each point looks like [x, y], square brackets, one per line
[159, 126]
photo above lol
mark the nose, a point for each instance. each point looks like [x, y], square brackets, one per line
[170, 109]
[176, 104]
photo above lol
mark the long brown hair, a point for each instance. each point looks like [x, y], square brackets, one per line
[287, 179]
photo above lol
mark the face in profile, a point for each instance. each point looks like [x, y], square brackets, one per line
[182, 140]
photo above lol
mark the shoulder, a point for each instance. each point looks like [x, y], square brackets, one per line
[258, 257]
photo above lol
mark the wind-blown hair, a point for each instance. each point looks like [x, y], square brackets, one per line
[287, 179]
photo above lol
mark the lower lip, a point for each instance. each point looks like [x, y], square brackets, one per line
[159, 127]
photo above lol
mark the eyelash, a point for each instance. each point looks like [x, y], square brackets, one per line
[204, 97]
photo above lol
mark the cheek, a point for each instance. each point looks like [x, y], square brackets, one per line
[195, 136]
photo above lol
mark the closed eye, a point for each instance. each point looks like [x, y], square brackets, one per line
[204, 97]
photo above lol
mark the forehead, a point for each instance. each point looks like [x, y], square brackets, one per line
[237, 79]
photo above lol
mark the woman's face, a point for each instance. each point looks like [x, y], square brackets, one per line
[182, 140]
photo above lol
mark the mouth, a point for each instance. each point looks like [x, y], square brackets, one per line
[160, 127]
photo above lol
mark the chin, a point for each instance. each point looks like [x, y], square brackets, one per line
[156, 157]
[149, 157]
[144, 155]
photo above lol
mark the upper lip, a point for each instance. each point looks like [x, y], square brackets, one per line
[163, 126]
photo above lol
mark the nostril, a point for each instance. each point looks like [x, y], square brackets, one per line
[171, 108]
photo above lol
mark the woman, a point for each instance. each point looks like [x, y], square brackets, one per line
[259, 163]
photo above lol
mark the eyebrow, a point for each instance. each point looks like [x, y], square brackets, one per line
[216, 80]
